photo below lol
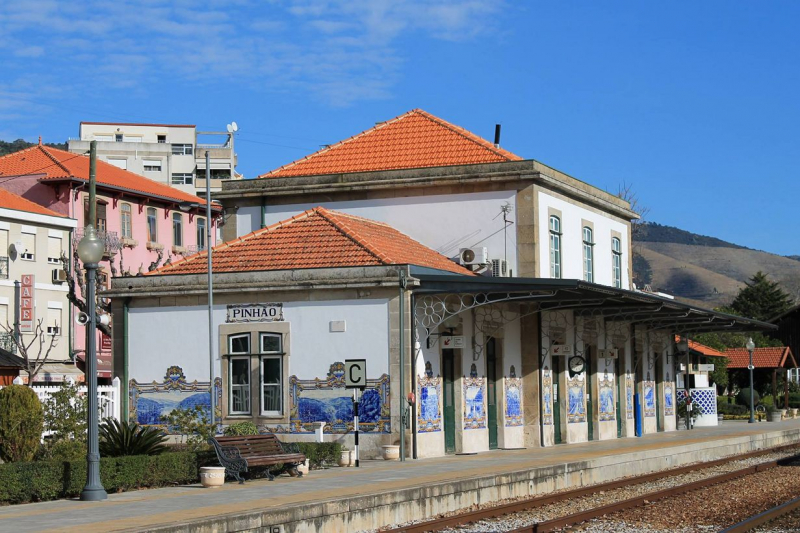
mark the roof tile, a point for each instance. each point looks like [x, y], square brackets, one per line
[9, 200]
[56, 164]
[762, 357]
[318, 238]
[413, 140]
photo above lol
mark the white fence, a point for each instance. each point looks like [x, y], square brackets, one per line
[108, 397]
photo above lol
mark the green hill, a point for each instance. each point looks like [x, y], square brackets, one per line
[20, 144]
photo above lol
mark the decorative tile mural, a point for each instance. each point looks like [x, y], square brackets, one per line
[547, 397]
[649, 398]
[669, 399]
[327, 400]
[429, 417]
[151, 403]
[629, 396]
[513, 401]
[474, 410]
[606, 411]
[706, 399]
[577, 403]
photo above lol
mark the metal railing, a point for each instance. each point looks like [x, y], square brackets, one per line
[3, 267]
[110, 239]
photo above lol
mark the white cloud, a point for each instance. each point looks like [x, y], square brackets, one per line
[339, 51]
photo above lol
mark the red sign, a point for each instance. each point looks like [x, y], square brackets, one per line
[105, 342]
[27, 318]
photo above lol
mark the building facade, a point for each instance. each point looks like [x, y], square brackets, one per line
[32, 239]
[167, 153]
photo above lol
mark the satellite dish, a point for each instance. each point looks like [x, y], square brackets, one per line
[235, 126]
[230, 128]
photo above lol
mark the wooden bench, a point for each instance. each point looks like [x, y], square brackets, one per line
[237, 454]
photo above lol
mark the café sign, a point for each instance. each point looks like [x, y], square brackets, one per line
[27, 319]
[255, 313]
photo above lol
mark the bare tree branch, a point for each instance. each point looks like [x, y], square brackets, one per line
[36, 352]
[75, 278]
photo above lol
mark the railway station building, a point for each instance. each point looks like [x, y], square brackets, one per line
[495, 289]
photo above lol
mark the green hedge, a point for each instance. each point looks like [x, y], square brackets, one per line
[319, 454]
[50, 480]
[732, 409]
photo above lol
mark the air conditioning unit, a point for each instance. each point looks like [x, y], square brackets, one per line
[499, 268]
[59, 276]
[473, 256]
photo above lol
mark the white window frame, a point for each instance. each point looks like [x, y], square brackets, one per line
[240, 356]
[616, 261]
[152, 236]
[151, 165]
[555, 247]
[588, 254]
[126, 229]
[28, 255]
[201, 233]
[270, 355]
[182, 178]
[177, 229]
[54, 260]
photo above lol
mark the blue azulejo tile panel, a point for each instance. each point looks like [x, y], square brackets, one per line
[577, 401]
[327, 400]
[474, 409]
[669, 399]
[606, 411]
[649, 398]
[513, 402]
[547, 397]
[629, 397]
[429, 417]
[706, 399]
[152, 403]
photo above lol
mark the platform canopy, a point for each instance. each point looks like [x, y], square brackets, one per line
[588, 299]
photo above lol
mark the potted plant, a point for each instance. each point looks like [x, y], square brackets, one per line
[773, 415]
[695, 410]
[344, 459]
[390, 452]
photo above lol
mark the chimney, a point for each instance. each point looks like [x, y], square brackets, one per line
[40, 140]
[497, 135]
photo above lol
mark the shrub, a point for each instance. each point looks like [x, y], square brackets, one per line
[65, 450]
[48, 480]
[193, 425]
[129, 438]
[732, 409]
[65, 413]
[319, 454]
[241, 428]
[21, 423]
[743, 398]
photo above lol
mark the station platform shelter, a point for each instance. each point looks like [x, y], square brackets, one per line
[381, 493]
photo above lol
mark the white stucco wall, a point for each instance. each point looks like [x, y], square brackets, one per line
[442, 222]
[572, 241]
[164, 336]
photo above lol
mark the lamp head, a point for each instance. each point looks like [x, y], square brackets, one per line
[91, 247]
[750, 344]
[683, 345]
[187, 206]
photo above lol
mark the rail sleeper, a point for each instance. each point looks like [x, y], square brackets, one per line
[237, 454]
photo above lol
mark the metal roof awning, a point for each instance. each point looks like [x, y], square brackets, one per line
[591, 299]
[59, 372]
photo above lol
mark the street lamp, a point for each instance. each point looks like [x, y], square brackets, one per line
[90, 252]
[750, 347]
[683, 347]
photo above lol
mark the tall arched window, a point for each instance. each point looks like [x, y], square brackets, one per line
[152, 225]
[616, 261]
[555, 247]
[127, 221]
[588, 254]
[177, 229]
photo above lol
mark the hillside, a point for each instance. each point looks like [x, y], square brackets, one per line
[703, 270]
[20, 144]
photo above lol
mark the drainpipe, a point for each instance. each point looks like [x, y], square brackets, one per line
[263, 212]
[401, 392]
[125, 376]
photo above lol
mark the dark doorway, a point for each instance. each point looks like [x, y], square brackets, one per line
[491, 391]
[556, 400]
[448, 373]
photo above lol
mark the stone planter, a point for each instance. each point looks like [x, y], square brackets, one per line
[345, 459]
[212, 477]
[783, 413]
[303, 468]
[391, 452]
[774, 416]
[794, 413]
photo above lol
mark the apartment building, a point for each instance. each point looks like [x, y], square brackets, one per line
[174, 154]
[32, 239]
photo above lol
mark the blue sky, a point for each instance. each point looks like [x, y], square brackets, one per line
[695, 105]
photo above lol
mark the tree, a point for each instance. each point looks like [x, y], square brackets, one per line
[35, 351]
[761, 299]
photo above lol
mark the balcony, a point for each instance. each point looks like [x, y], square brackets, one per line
[111, 239]
[7, 342]
[3, 267]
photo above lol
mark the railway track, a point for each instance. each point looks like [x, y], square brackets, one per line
[767, 517]
[567, 520]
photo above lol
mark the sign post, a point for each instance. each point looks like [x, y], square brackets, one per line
[355, 377]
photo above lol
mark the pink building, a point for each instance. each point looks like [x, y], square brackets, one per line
[144, 223]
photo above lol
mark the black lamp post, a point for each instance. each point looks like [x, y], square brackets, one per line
[750, 347]
[90, 252]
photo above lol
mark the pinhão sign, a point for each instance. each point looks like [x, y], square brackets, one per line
[27, 318]
[255, 313]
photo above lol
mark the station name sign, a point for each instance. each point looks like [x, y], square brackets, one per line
[255, 313]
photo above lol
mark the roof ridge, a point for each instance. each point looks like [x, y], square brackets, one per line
[53, 158]
[336, 144]
[465, 133]
[352, 234]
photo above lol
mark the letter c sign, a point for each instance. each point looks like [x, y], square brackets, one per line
[355, 373]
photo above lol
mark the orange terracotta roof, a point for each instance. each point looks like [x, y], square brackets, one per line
[9, 200]
[762, 357]
[318, 238]
[55, 164]
[702, 349]
[413, 140]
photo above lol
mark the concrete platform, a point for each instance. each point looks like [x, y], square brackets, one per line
[381, 493]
